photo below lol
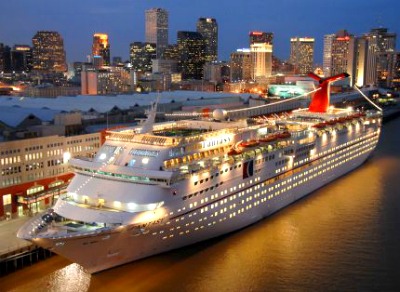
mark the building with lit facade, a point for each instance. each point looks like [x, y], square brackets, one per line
[302, 54]
[340, 54]
[34, 171]
[101, 48]
[141, 56]
[191, 47]
[261, 55]
[381, 43]
[208, 28]
[327, 54]
[110, 80]
[16, 60]
[217, 72]
[156, 29]
[48, 52]
[240, 65]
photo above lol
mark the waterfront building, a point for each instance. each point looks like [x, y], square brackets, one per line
[48, 52]
[141, 56]
[240, 65]
[101, 48]
[261, 55]
[157, 29]
[191, 47]
[302, 54]
[208, 28]
[35, 171]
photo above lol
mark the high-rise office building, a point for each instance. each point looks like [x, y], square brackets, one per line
[208, 28]
[191, 47]
[261, 37]
[15, 60]
[361, 53]
[327, 56]
[21, 58]
[240, 63]
[302, 54]
[101, 48]
[141, 55]
[261, 55]
[342, 54]
[48, 52]
[380, 42]
[157, 29]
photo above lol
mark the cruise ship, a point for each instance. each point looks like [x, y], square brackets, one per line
[161, 186]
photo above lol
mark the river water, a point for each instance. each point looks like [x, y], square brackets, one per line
[343, 237]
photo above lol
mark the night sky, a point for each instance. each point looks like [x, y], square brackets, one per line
[123, 21]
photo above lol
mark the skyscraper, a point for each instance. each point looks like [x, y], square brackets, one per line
[327, 56]
[240, 64]
[101, 47]
[261, 55]
[48, 52]
[302, 54]
[191, 47]
[141, 55]
[342, 53]
[208, 28]
[380, 42]
[157, 29]
[22, 58]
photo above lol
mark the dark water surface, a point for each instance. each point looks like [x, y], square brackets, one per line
[343, 237]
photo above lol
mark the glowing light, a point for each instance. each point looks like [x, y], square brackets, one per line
[132, 206]
[145, 160]
[117, 204]
[66, 157]
[102, 156]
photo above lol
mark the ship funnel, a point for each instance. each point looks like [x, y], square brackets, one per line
[321, 99]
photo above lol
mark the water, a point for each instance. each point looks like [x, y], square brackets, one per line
[343, 237]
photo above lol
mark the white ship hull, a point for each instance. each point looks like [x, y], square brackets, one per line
[235, 210]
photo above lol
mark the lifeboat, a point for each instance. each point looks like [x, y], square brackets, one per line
[248, 144]
[269, 138]
[234, 151]
[319, 125]
[283, 135]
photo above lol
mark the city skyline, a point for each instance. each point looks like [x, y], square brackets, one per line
[124, 22]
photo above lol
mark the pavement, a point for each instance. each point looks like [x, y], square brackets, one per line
[8, 235]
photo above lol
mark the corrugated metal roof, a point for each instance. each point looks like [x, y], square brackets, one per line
[13, 110]
[15, 115]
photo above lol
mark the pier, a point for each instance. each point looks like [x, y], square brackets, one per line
[16, 253]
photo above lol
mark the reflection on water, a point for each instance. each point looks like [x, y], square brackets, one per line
[67, 279]
[343, 237]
